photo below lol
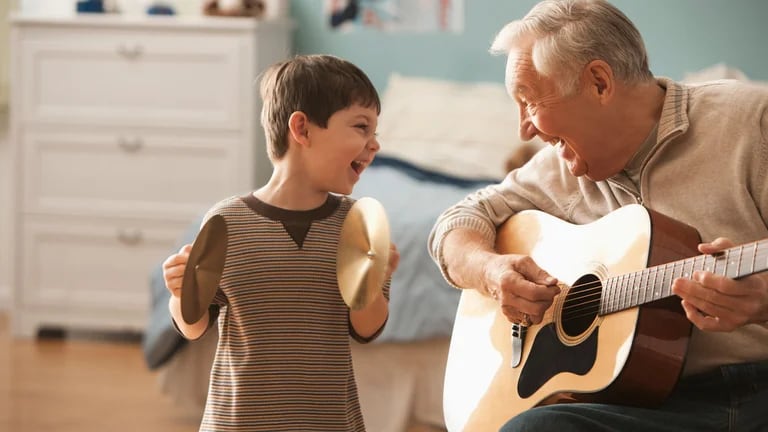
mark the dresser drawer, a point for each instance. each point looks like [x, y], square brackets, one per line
[129, 175]
[90, 263]
[128, 76]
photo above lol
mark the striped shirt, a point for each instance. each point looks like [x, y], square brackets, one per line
[283, 360]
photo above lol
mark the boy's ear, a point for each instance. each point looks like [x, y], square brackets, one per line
[298, 127]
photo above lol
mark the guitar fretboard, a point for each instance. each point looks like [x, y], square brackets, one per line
[655, 283]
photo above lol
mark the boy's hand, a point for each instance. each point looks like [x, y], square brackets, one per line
[173, 269]
[394, 260]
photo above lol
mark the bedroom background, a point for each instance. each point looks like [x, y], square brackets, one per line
[682, 37]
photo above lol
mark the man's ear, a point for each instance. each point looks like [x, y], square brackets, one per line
[298, 127]
[599, 80]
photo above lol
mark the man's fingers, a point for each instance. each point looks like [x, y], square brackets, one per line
[717, 245]
[527, 267]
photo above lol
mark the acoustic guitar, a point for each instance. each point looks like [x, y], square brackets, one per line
[614, 334]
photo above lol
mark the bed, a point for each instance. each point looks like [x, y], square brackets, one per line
[440, 141]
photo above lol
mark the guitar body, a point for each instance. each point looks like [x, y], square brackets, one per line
[632, 356]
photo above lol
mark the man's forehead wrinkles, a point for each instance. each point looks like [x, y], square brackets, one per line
[520, 72]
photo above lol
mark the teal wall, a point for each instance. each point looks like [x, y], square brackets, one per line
[681, 36]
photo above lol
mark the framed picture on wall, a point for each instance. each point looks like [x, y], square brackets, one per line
[396, 15]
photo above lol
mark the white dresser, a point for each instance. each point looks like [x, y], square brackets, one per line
[122, 131]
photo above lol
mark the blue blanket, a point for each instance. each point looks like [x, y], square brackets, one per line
[422, 305]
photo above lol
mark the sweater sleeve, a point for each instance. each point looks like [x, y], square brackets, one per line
[762, 172]
[540, 184]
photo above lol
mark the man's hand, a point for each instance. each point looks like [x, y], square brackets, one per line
[717, 303]
[523, 289]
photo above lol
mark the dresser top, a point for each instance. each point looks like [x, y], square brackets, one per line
[148, 21]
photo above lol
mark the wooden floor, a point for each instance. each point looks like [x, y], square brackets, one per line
[85, 384]
[81, 385]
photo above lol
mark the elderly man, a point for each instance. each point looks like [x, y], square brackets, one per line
[578, 70]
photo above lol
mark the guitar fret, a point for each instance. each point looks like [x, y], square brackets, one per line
[722, 262]
[603, 295]
[662, 270]
[754, 256]
[665, 288]
[664, 276]
[705, 266]
[738, 266]
[689, 273]
[619, 290]
[649, 293]
[636, 290]
[732, 269]
[700, 258]
[625, 290]
[651, 283]
[609, 297]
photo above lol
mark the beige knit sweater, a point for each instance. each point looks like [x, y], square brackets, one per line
[707, 166]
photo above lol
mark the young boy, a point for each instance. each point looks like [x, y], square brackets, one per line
[283, 360]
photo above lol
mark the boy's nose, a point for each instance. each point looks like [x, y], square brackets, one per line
[373, 145]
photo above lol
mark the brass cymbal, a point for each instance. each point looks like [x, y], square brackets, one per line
[363, 254]
[204, 268]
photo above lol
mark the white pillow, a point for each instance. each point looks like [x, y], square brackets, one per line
[456, 128]
[715, 72]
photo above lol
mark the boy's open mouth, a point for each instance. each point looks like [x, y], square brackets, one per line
[358, 166]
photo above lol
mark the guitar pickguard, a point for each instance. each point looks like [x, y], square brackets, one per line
[549, 357]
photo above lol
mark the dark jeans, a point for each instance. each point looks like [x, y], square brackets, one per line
[732, 398]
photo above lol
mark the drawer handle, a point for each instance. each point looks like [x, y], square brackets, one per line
[132, 52]
[130, 145]
[129, 237]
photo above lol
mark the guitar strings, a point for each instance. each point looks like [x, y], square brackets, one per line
[574, 310]
[668, 267]
[591, 294]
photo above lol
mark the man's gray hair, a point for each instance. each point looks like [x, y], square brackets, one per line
[568, 34]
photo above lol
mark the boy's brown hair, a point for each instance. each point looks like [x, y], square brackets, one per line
[318, 86]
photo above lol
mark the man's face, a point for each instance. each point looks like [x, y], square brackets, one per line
[568, 122]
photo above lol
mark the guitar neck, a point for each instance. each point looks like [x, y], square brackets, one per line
[655, 283]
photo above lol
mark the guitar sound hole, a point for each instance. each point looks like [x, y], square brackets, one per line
[582, 304]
